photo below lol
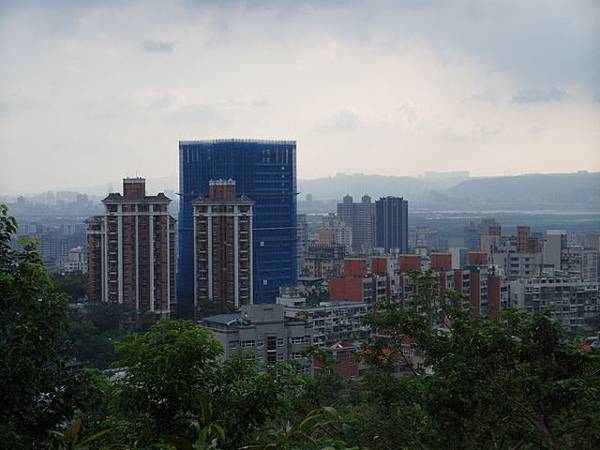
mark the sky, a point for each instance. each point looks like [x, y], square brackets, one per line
[94, 91]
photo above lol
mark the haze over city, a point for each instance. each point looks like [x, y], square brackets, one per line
[391, 88]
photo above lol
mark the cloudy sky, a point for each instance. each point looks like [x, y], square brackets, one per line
[93, 91]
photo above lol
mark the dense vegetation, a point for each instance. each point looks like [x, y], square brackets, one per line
[513, 384]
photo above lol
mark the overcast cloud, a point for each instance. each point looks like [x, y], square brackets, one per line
[92, 91]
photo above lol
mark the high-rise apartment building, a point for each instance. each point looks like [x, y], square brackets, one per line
[131, 250]
[263, 170]
[391, 221]
[222, 246]
[361, 219]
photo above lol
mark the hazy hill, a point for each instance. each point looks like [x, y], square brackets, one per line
[439, 191]
[576, 190]
[537, 191]
[416, 188]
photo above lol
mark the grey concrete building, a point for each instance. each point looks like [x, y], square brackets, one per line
[581, 262]
[261, 332]
[574, 302]
[331, 321]
[361, 218]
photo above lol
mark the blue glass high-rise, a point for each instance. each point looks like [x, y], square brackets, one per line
[265, 171]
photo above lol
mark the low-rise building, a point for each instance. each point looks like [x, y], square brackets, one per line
[262, 333]
[330, 321]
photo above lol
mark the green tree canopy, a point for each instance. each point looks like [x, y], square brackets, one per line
[35, 387]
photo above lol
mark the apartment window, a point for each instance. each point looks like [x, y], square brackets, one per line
[280, 357]
[259, 344]
[280, 342]
[247, 344]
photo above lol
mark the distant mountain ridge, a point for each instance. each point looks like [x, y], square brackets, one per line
[579, 190]
[441, 191]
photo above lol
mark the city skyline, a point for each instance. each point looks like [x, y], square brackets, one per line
[420, 86]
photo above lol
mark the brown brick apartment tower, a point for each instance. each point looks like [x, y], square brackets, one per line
[223, 246]
[131, 250]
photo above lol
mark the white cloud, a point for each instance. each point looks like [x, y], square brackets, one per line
[375, 87]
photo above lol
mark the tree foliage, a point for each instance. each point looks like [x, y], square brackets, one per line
[514, 383]
[73, 284]
[35, 387]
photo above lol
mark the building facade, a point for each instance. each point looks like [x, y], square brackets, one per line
[131, 250]
[222, 246]
[361, 219]
[330, 321]
[76, 261]
[573, 302]
[261, 333]
[322, 261]
[302, 242]
[263, 170]
[581, 262]
[391, 221]
[335, 231]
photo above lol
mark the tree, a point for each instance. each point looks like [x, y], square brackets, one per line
[73, 284]
[166, 372]
[514, 383]
[35, 392]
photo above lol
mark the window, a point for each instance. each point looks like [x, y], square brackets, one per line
[280, 342]
[280, 357]
[247, 344]
[259, 344]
